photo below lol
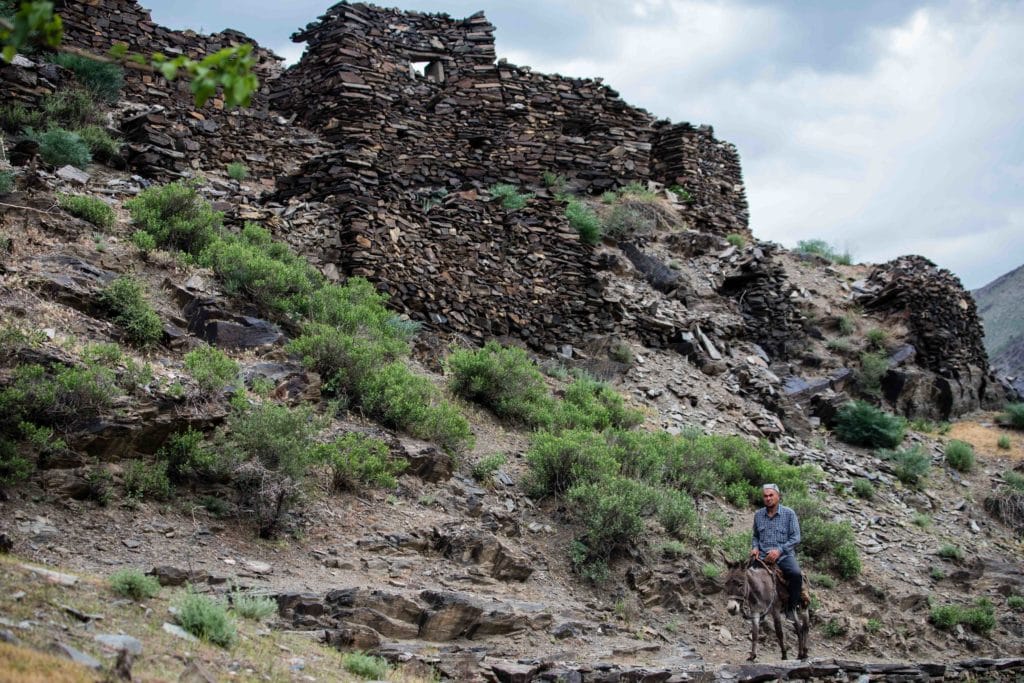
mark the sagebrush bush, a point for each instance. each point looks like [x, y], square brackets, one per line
[147, 480]
[99, 141]
[238, 171]
[504, 380]
[876, 339]
[90, 209]
[960, 455]
[255, 607]
[980, 618]
[6, 181]
[143, 241]
[278, 437]
[612, 511]
[862, 424]
[584, 220]
[62, 397]
[184, 455]
[366, 666]
[60, 147]
[948, 551]
[359, 460]
[125, 300]
[823, 249]
[511, 198]
[1003, 443]
[176, 216]
[485, 468]
[628, 219]
[677, 513]
[686, 197]
[1012, 416]
[403, 400]
[873, 368]
[16, 117]
[212, 370]
[206, 619]
[595, 405]
[131, 583]
[103, 79]
[910, 465]
[735, 239]
[863, 488]
[71, 108]
[263, 270]
[14, 466]
[560, 461]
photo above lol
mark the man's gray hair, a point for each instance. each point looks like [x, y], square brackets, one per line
[773, 487]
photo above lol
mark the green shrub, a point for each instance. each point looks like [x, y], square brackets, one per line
[143, 241]
[840, 345]
[686, 197]
[403, 400]
[711, 571]
[358, 460]
[553, 180]
[845, 324]
[504, 380]
[594, 405]
[949, 551]
[861, 424]
[365, 666]
[560, 461]
[93, 210]
[62, 398]
[103, 79]
[735, 239]
[960, 455]
[612, 511]
[14, 466]
[238, 171]
[910, 465]
[1003, 443]
[823, 249]
[584, 220]
[873, 368]
[621, 353]
[279, 438]
[919, 519]
[59, 147]
[71, 108]
[630, 218]
[677, 513]
[937, 574]
[265, 271]
[176, 216]
[1014, 481]
[863, 488]
[125, 300]
[1015, 602]
[485, 468]
[834, 628]
[831, 544]
[6, 181]
[510, 197]
[184, 455]
[1012, 416]
[212, 370]
[145, 480]
[16, 117]
[131, 583]
[823, 580]
[873, 626]
[735, 546]
[877, 339]
[980, 618]
[255, 607]
[100, 143]
[207, 619]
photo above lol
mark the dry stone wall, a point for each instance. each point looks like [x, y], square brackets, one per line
[424, 120]
[168, 136]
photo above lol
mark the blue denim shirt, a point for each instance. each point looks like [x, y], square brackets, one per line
[781, 531]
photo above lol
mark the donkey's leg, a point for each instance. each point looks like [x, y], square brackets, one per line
[755, 627]
[779, 632]
[803, 627]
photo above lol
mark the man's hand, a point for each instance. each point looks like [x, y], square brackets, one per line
[754, 552]
[772, 555]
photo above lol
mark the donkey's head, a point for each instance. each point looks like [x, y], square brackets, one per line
[734, 584]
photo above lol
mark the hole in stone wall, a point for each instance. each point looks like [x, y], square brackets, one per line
[432, 70]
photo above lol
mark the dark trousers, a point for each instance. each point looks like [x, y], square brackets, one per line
[794, 579]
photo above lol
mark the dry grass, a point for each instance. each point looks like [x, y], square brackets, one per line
[983, 433]
[22, 665]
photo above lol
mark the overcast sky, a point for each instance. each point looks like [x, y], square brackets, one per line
[882, 127]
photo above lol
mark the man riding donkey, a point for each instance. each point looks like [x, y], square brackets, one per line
[776, 535]
[753, 587]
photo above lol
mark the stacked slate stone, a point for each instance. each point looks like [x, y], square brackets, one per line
[942, 316]
[709, 170]
[172, 138]
[759, 286]
[417, 148]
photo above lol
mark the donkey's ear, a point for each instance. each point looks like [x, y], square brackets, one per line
[725, 560]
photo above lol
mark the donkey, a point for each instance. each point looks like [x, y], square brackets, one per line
[753, 592]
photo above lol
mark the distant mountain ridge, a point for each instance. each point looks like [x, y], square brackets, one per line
[1001, 307]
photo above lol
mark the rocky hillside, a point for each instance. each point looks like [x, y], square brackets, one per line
[1002, 314]
[243, 350]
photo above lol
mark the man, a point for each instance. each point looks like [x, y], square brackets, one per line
[776, 535]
